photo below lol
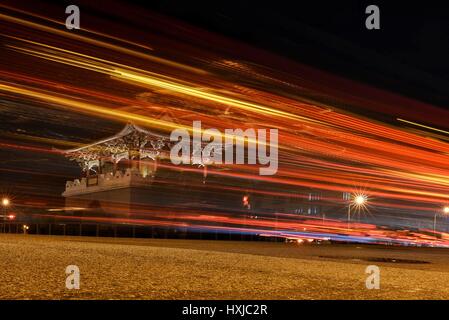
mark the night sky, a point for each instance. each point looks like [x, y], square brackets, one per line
[408, 55]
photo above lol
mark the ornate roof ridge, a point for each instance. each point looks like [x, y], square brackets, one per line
[128, 129]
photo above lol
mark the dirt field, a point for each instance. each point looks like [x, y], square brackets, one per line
[33, 267]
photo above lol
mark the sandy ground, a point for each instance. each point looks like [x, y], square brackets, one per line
[33, 267]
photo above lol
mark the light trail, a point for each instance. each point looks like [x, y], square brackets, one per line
[322, 147]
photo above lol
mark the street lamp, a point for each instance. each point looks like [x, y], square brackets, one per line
[445, 211]
[5, 204]
[358, 201]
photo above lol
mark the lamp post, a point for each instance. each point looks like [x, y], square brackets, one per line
[358, 201]
[445, 211]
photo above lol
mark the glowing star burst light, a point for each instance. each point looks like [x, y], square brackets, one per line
[360, 200]
[5, 202]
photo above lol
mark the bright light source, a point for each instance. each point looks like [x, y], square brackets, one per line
[446, 210]
[360, 200]
[11, 217]
[5, 202]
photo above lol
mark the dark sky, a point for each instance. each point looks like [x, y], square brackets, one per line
[407, 55]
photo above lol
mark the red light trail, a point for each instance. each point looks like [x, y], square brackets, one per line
[323, 145]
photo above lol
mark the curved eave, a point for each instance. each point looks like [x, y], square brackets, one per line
[129, 128]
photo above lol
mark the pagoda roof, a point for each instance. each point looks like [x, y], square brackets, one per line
[127, 130]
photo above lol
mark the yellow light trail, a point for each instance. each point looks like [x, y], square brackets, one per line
[422, 126]
[100, 43]
[155, 80]
[84, 28]
[111, 113]
[90, 108]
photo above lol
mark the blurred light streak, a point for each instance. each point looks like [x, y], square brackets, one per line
[323, 147]
[75, 36]
[423, 126]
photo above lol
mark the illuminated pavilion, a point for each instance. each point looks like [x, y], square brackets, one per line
[103, 162]
[129, 175]
[131, 171]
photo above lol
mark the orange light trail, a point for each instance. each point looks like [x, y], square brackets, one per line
[323, 146]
